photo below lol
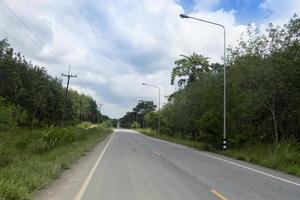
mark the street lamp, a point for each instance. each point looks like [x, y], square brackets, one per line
[158, 120]
[223, 27]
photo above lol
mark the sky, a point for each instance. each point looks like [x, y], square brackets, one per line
[113, 46]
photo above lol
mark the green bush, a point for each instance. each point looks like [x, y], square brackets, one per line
[285, 153]
[11, 115]
[30, 158]
[6, 116]
[21, 144]
[60, 136]
[55, 137]
[5, 158]
[135, 125]
[85, 124]
[11, 191]
[210, 126]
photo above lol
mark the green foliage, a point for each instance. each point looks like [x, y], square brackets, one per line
[135, 125]
[138, 114]
[55, 137]
[5, 158]
[85, 124]
[24, 171]
[263, 107]
[286, 152]
[11, 191]
[6, 118]
[263, 92]
[285, 156]
[188, 69]
[151, 120]
[35, 98]
[110, 123]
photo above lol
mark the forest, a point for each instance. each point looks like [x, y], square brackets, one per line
[31, 97]
[263, 97]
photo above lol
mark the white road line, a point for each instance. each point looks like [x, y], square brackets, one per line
[89, 177]
[226, 161]
[156, 152]
[219, 195]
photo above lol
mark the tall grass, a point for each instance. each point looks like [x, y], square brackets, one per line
[31, 158]
[284, 156]
[85, 124]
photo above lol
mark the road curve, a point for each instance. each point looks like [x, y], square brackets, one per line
[137, 167]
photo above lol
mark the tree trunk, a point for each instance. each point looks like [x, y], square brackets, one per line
[271, 107]
[275, 126]
[193, 135]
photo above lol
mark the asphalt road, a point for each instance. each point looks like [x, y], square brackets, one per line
[137, 167]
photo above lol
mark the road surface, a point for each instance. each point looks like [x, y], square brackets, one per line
[132, 166]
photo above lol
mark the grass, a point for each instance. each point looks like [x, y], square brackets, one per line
[32, 158]
[286, 157]
[85, 124]
[191, 143]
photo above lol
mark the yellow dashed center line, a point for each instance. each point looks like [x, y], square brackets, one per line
[156, 152]
[220, 196]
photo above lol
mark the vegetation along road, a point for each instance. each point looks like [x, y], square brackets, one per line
[133, 166]
[148, 111]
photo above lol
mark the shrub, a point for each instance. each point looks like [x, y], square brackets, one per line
[210, 125]
[21, 144]
[108, 123]
[6, 119]
[135, 125]
[285, 152]
[11, 191]
[59, 136]
[55, 137]
[241, 157]
[5, 158]
[85, 124]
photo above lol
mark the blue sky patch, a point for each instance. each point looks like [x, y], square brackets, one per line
[246, 11]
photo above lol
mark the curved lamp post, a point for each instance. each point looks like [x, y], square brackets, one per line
[224, 112]
[158, 120]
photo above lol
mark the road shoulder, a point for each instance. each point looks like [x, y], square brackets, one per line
[67, 185]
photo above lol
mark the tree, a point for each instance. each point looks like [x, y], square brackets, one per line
[142, 109]
[187, 69]
[30, 89]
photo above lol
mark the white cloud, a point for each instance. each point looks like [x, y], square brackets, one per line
[115, 46]
[281, 11]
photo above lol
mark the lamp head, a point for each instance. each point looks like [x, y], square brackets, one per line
[184, 16]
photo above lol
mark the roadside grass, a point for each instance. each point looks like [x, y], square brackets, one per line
[286, 157]
[191, 143]
[32, 158]
[85, 124]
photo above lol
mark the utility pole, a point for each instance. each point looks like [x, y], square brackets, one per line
[100, 105]
[66, 93]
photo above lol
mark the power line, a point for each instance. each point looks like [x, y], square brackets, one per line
[15, 39]
[56, 59]
[13, 23]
